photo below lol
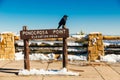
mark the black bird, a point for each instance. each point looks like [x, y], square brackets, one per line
[62, 22]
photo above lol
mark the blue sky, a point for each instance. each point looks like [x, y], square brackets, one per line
[86, 15]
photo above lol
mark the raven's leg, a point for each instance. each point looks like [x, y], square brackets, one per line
[63, 26]
[58, 26]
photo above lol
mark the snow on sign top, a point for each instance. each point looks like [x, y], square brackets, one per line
[46, 33]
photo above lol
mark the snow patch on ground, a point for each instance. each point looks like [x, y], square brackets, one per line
[19, 56]
[38, 57]
[110, 58]
[51, 56]
[47, 72]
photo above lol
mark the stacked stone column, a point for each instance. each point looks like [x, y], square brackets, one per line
[95, 46]
[7, 48]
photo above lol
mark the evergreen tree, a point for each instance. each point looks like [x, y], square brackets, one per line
[81, 32]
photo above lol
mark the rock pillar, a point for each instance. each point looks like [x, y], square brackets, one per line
[7, 48]
[95, 46]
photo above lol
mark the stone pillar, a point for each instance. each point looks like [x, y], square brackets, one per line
[95, 46]
[7, 48]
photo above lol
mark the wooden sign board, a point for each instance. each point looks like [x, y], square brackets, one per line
[41, 34]
[47, 33]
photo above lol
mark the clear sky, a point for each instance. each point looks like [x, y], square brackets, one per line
[86, 15]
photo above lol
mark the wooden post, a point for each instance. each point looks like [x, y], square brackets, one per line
[26, 52]
[65, 53]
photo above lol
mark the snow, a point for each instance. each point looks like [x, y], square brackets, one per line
[72, 49]
[20, 43]
[110, 58]
[51, 56]
[47, 72]
[74, 44]
[50, 43]
[33, 42]
[78, 36]
[19, 56]
[38, 57]
[74, 57]
[106, 44]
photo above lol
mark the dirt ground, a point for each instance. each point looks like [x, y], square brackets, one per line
[87, 70]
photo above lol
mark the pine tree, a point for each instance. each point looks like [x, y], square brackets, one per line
[81, 32]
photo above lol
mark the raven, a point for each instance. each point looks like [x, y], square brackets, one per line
[62, 22]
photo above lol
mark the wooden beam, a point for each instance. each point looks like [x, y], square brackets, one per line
[111, 37]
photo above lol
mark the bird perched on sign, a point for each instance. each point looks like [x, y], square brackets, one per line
[62, 22]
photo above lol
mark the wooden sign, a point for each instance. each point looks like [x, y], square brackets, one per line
[40, 34]
[47, 33]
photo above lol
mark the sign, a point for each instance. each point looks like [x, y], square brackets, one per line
[40, 34]
[47, 33]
